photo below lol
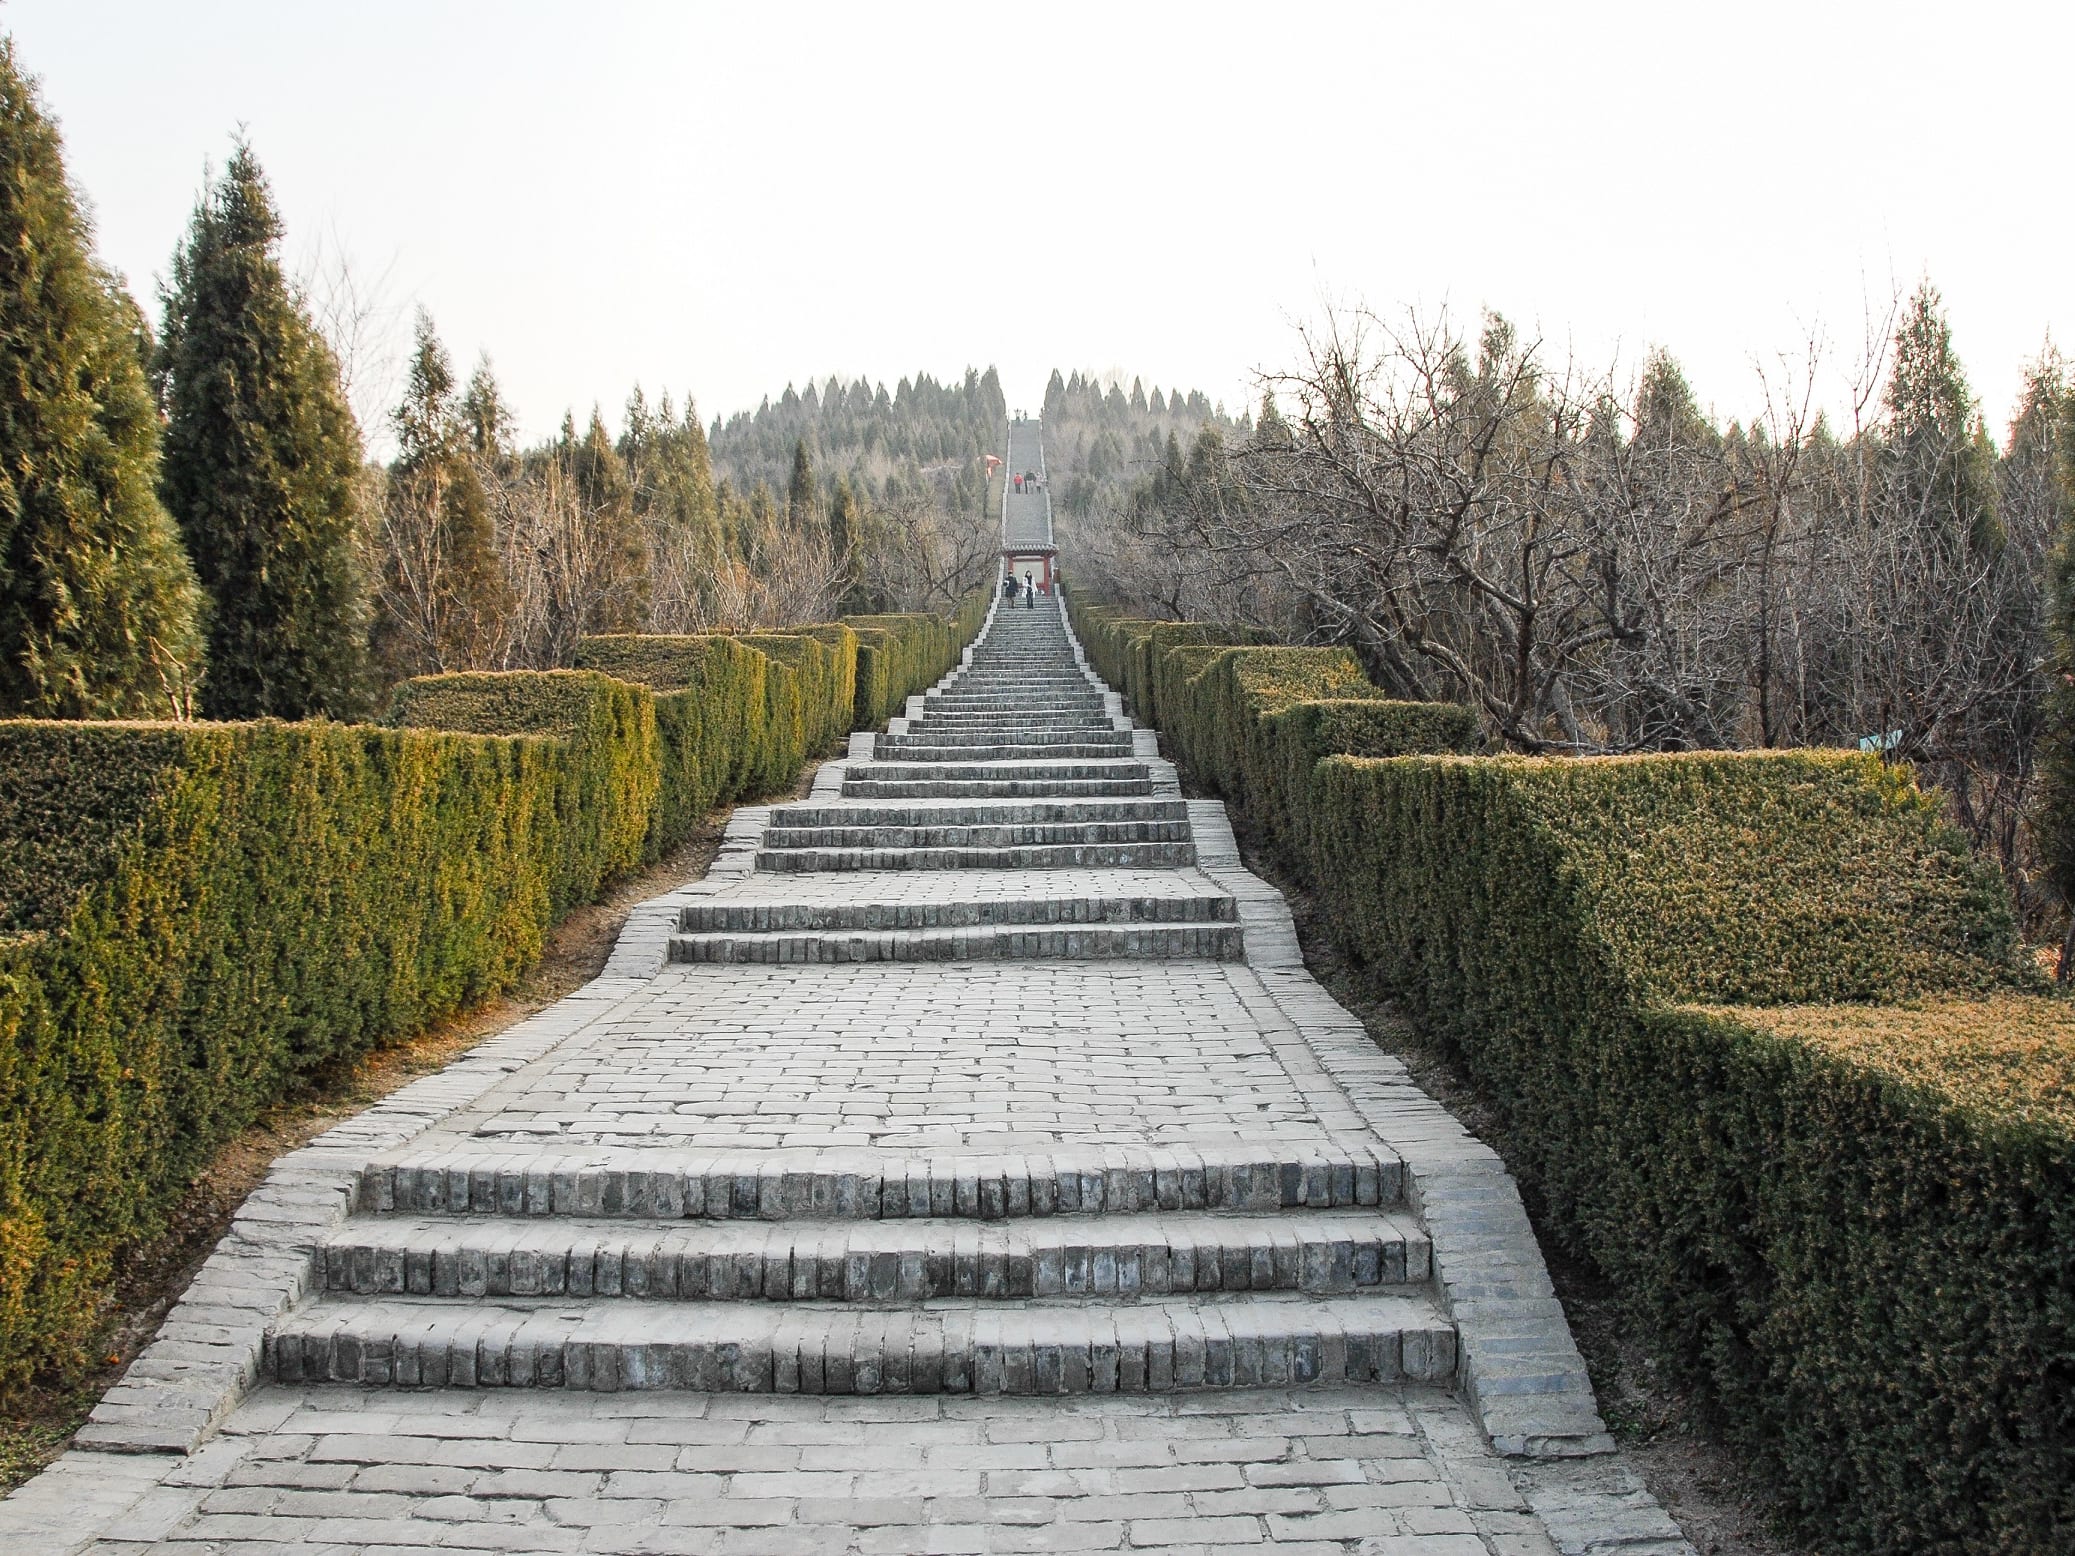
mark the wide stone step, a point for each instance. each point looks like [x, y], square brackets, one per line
[1012, 707]
[1321, 1253]
[863, 1185]
[1007, 813]
[756, 917]
[998, 698]
[1239, 1340]
[899, 748]
[1036, 739]
[997, 730]
[898, 772]
[1052, 856]
[1012, 718]
[997, 788]
[1002, 834]
[1033, 942]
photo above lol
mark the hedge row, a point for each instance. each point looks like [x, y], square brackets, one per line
[1853, 1224]
[1251, 720]
[899, 656]
[195, 918]
[201, 915]
[710, 701]
[1759, 1041]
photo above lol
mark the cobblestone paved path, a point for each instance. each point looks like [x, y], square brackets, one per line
[967, 1164]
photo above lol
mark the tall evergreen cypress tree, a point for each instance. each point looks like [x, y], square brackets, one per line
[1941, 465]
[802, 497]
[97, 601]
[608, 498]
[261, 465]
[443, 592]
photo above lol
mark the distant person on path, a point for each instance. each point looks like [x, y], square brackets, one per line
[1019, 483]
[1029, 592]
[1008, 586]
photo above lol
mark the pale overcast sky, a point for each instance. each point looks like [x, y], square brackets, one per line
[723, 198]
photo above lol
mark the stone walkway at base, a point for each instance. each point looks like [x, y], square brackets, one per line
[1384, 1471]
[964, 1165]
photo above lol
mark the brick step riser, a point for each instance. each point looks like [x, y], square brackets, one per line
[1020, 772]
[1008, 731]
[1044, 812]
[1062, 834]
[997, 1267]
[1022, 740]
[977, 703]
[893, 748]
[1089, 944]
[1000, 789]
[1104, 856]
[754, 1187]
[862, 1351]
[758, 918]
[1015, 718]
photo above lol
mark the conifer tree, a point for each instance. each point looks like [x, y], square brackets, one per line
[844, 535]
[441, 591]
[487, 422]
[261, 465]
[98, 605]
[1055, 397]
[802, 497]
[608, 499]
[1941, 465]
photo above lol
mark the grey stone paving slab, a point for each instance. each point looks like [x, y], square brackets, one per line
[1400, 1469]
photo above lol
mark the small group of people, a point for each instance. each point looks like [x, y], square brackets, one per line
[1010, 588]
[1027, 481]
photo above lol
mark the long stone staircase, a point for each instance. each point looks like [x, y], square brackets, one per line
[804, 1165]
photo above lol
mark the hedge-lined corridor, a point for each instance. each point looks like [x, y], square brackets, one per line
[198, 916]
[1762, 1044]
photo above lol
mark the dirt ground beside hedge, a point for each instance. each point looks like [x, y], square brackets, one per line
[37, 1421]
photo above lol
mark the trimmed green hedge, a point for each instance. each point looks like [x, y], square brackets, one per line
[1860, 1249]
[900, 656]
[1250, 721]
[195, 918]
[1760, 1042]
[611, 770]
[202, 915]
[1164, 656]
[709, 697]
[1290, 742]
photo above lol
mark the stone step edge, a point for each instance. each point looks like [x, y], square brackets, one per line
[805, 816]
[1124, 908]
[854, 1185]
[1176, 1254]
[1200, 940]
[978, 834]
[1036, 769]
[1026, 856]
[995, 788]
[1145, 1347]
